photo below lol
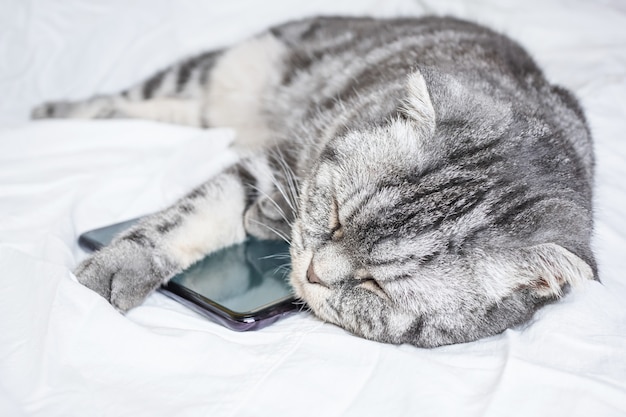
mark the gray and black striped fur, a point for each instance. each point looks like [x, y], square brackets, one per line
[435, 188]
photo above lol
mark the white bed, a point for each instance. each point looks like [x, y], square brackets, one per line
[65, 352]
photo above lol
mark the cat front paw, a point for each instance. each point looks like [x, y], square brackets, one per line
[124, 273]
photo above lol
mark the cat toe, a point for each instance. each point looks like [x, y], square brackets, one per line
[95, 275]
[129, 288]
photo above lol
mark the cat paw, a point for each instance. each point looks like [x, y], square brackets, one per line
[124, 273]
[52, 110]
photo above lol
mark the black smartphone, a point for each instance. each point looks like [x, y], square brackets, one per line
[243, 287]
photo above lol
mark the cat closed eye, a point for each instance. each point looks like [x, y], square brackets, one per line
[373, 286]
[336, 228]
[337, 232]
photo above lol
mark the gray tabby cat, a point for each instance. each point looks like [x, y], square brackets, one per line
[436, 188]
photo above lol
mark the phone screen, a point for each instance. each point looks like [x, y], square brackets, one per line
[243, 278]
[243, 286]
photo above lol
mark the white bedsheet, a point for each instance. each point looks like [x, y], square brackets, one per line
[65, 352]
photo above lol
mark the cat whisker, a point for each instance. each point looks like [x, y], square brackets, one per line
[274, 203]
[277, 256]
[291, 194]
[283, 269]
[302, 306]
[281, 190]
[277, 232]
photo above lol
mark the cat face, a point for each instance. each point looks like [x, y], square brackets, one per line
[434, 230]
[394, 247]
[365, 255]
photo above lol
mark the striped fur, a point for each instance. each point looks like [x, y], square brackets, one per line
[434, 186]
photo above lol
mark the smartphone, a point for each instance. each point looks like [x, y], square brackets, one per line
[243, 287]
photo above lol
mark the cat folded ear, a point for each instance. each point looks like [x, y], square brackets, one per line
[417, 104]
[438, 97]
[547, 268]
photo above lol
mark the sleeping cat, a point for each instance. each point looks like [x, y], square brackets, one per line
[435, 188]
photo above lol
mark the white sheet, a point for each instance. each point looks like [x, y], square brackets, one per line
[65, 352]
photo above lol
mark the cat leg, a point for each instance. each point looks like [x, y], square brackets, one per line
[161, 245]
[169, 110]
[226, 88]
[173, 95]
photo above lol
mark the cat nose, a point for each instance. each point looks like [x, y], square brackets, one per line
[312, 277]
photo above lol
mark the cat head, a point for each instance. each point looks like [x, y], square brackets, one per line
[405, 236]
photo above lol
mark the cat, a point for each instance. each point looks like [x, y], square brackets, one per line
[434, 186]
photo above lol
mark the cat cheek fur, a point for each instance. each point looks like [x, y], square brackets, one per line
[366, 314]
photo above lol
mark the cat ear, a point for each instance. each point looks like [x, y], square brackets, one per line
[548, 267]
[417, 104]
